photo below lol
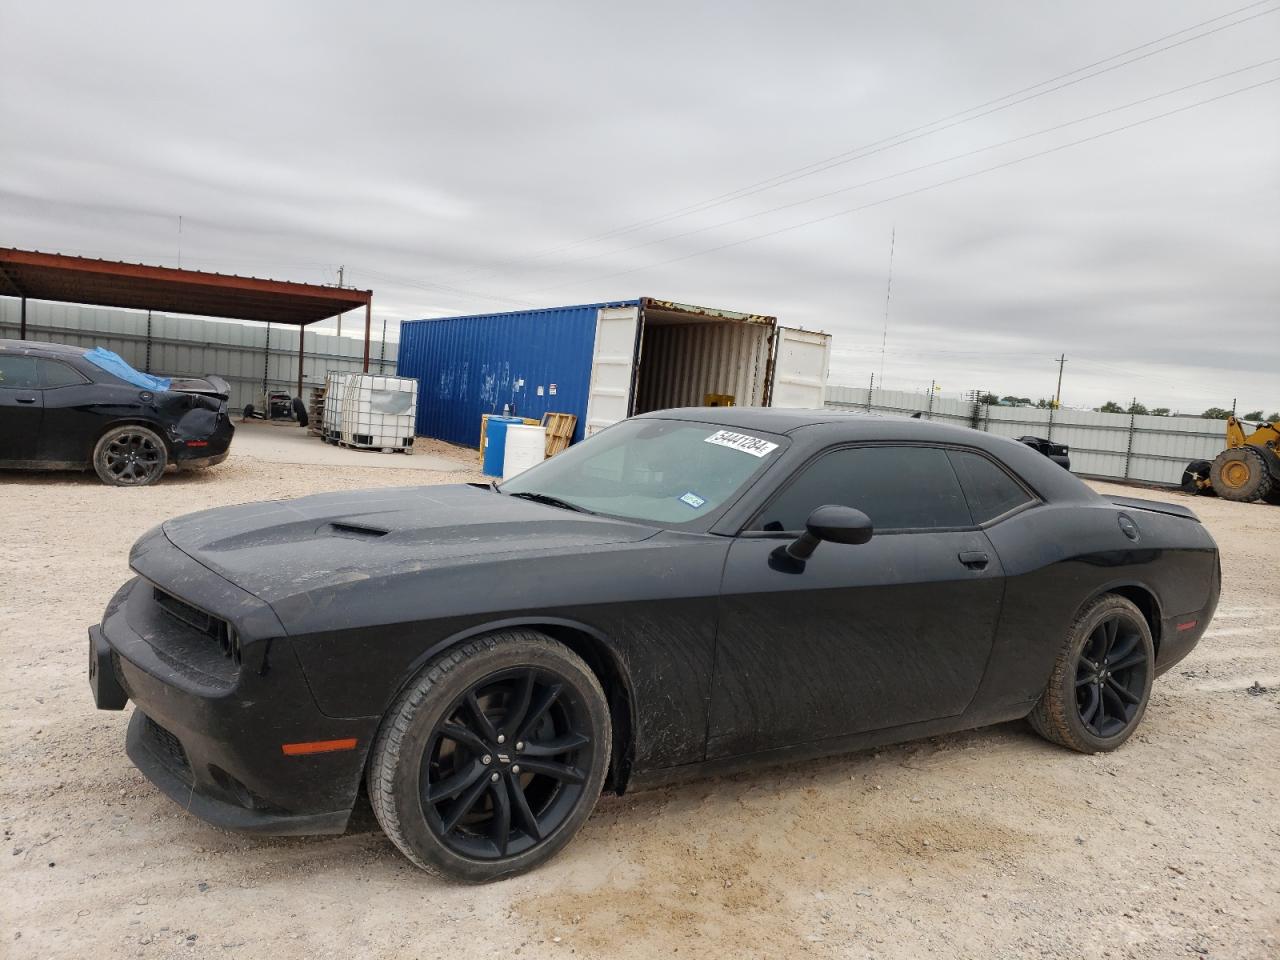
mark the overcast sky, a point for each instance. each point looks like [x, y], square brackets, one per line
[463, 158]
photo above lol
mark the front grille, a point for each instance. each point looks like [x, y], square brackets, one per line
[167, 748]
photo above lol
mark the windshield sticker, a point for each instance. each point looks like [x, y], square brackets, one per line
[742, 442]
[693, 500]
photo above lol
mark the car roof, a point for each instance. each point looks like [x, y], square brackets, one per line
[41, 347]
[770, 419]
[820, 428]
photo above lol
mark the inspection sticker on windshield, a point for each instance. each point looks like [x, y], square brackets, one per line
[742, 442]
[693, 500]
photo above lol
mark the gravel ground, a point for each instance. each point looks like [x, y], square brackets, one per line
[990, 843]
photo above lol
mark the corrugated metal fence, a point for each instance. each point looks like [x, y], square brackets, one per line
[1114, 445]
[193, 346]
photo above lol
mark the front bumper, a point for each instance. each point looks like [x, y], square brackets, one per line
[211, 736]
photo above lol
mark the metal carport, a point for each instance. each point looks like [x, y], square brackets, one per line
[30, 274]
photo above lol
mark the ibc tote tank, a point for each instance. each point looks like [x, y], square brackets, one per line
[378, 412]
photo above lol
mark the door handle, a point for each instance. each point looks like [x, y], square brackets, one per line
[974, 559]
[25, 399]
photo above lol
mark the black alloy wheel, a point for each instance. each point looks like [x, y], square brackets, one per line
[506, 764]
[130, 456]
[492, 758]
[1098, 691]
[1111, 677]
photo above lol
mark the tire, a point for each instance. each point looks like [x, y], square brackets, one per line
[1241, 474]
[130, 456]
[1197, 470]
[248, 411]
[300, 411]
[1066, 713]
[432, 740]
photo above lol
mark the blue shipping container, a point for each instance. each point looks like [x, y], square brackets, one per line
[534, 361]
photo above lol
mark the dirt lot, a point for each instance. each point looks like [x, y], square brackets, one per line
[991, 843]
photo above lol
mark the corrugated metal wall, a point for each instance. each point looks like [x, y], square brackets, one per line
[681, 363]
[192, 346]
[469, 366]
[1116, 445]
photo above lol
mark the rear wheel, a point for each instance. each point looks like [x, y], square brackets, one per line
[130, 456]
[1240, 474]
[1101, 682]
[492, 758]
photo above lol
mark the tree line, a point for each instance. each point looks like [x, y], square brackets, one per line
[1137, 408]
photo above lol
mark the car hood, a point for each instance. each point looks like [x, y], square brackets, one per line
[283, 548]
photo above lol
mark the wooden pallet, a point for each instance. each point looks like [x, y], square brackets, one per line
[315, 412]
[559, 427]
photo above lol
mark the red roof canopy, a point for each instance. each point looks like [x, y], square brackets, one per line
[106, 283]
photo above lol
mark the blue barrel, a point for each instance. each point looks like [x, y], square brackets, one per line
[495, 444]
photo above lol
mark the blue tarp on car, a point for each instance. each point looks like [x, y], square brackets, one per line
[115, 365]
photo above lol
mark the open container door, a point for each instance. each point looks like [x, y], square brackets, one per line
[613, 366]
[800, 362]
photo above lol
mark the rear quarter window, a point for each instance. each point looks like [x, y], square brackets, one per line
[55, 373]
[990, 490]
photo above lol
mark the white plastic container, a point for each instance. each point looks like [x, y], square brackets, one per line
[526, 446]
[378, 413]
[334, 385]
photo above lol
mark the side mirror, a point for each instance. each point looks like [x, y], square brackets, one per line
[830, 522]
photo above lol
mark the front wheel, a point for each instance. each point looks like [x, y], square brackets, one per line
[489, 762]
[1101, 682]
[130, 456]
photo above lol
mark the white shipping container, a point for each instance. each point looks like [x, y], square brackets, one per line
[658, 355]
[379, 412]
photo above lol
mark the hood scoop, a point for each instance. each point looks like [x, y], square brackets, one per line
[353, 531]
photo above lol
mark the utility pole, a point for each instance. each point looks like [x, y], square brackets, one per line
[340, 269]
[888, 292]
[1057, 397]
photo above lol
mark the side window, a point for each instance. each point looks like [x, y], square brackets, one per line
[899, 488]
[18, 373]
[991, 492]
[55, 373]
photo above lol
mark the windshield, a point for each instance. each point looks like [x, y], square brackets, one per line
[656, 471]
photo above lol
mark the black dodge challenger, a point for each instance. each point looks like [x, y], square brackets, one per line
[687, 592]
[68, 408]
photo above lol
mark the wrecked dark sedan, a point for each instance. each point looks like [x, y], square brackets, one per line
[687, 592]
[68, 408]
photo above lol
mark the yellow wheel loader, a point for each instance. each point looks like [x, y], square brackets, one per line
[1249, 469]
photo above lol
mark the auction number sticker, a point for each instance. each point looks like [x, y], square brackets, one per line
[745, 443]
[693, 500]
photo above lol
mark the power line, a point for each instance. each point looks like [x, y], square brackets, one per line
[444, 288]
[918, 190]
[914, 133]
[924, 166]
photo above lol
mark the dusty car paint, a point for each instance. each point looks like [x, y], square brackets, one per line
[713, 658]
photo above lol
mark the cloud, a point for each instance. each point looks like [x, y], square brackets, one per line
[449, 156]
